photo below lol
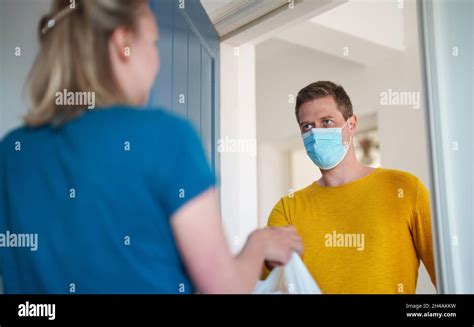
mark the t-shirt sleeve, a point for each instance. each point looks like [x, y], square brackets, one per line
[277, 218]
[422, 232]
[187, 172]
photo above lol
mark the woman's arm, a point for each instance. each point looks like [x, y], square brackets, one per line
[200, 237]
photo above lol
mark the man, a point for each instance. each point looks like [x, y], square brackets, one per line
[364, 230]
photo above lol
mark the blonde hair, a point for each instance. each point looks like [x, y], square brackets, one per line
[74, 56]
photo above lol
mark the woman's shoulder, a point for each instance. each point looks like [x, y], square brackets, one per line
[16, 135]
[138, 122]
[152, 126]
[141, 116]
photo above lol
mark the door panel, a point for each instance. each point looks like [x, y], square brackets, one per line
[206, 101]
[161, 92]
[188, 80]
[194, 85]
[180, 63]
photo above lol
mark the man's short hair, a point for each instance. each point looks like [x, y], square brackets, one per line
[323, 89]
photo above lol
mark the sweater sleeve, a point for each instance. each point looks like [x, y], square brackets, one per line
[422, 232]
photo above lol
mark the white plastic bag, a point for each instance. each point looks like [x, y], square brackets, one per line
[293, 278]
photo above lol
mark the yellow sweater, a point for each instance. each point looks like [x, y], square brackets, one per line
[366, 236]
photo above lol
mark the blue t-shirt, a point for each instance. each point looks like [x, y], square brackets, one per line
[98, 192]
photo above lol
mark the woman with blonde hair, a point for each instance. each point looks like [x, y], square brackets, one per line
[122, 200]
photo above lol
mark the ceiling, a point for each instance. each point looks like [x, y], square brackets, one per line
[377, 21]
[215, 7]
[230, 15]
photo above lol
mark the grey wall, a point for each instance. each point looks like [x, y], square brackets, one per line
[18, 28]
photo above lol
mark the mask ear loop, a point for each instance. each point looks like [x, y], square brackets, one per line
[347, 144]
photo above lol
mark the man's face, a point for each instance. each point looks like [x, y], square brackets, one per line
[320, 113]
[323, 113]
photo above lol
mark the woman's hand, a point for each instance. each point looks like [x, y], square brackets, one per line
[201, 240]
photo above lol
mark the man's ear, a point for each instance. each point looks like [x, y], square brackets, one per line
[353, 123]
[120, 43]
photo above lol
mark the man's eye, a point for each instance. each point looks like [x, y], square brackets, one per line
[327, 122]
[307, 127]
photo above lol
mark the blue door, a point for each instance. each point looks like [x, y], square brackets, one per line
[188, 80]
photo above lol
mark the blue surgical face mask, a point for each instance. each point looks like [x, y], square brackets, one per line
[324, 146]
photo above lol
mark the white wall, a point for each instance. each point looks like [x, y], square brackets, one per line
[351, 19]
[303, 170]
[404, 139]
[273, 170]
[238, 124]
